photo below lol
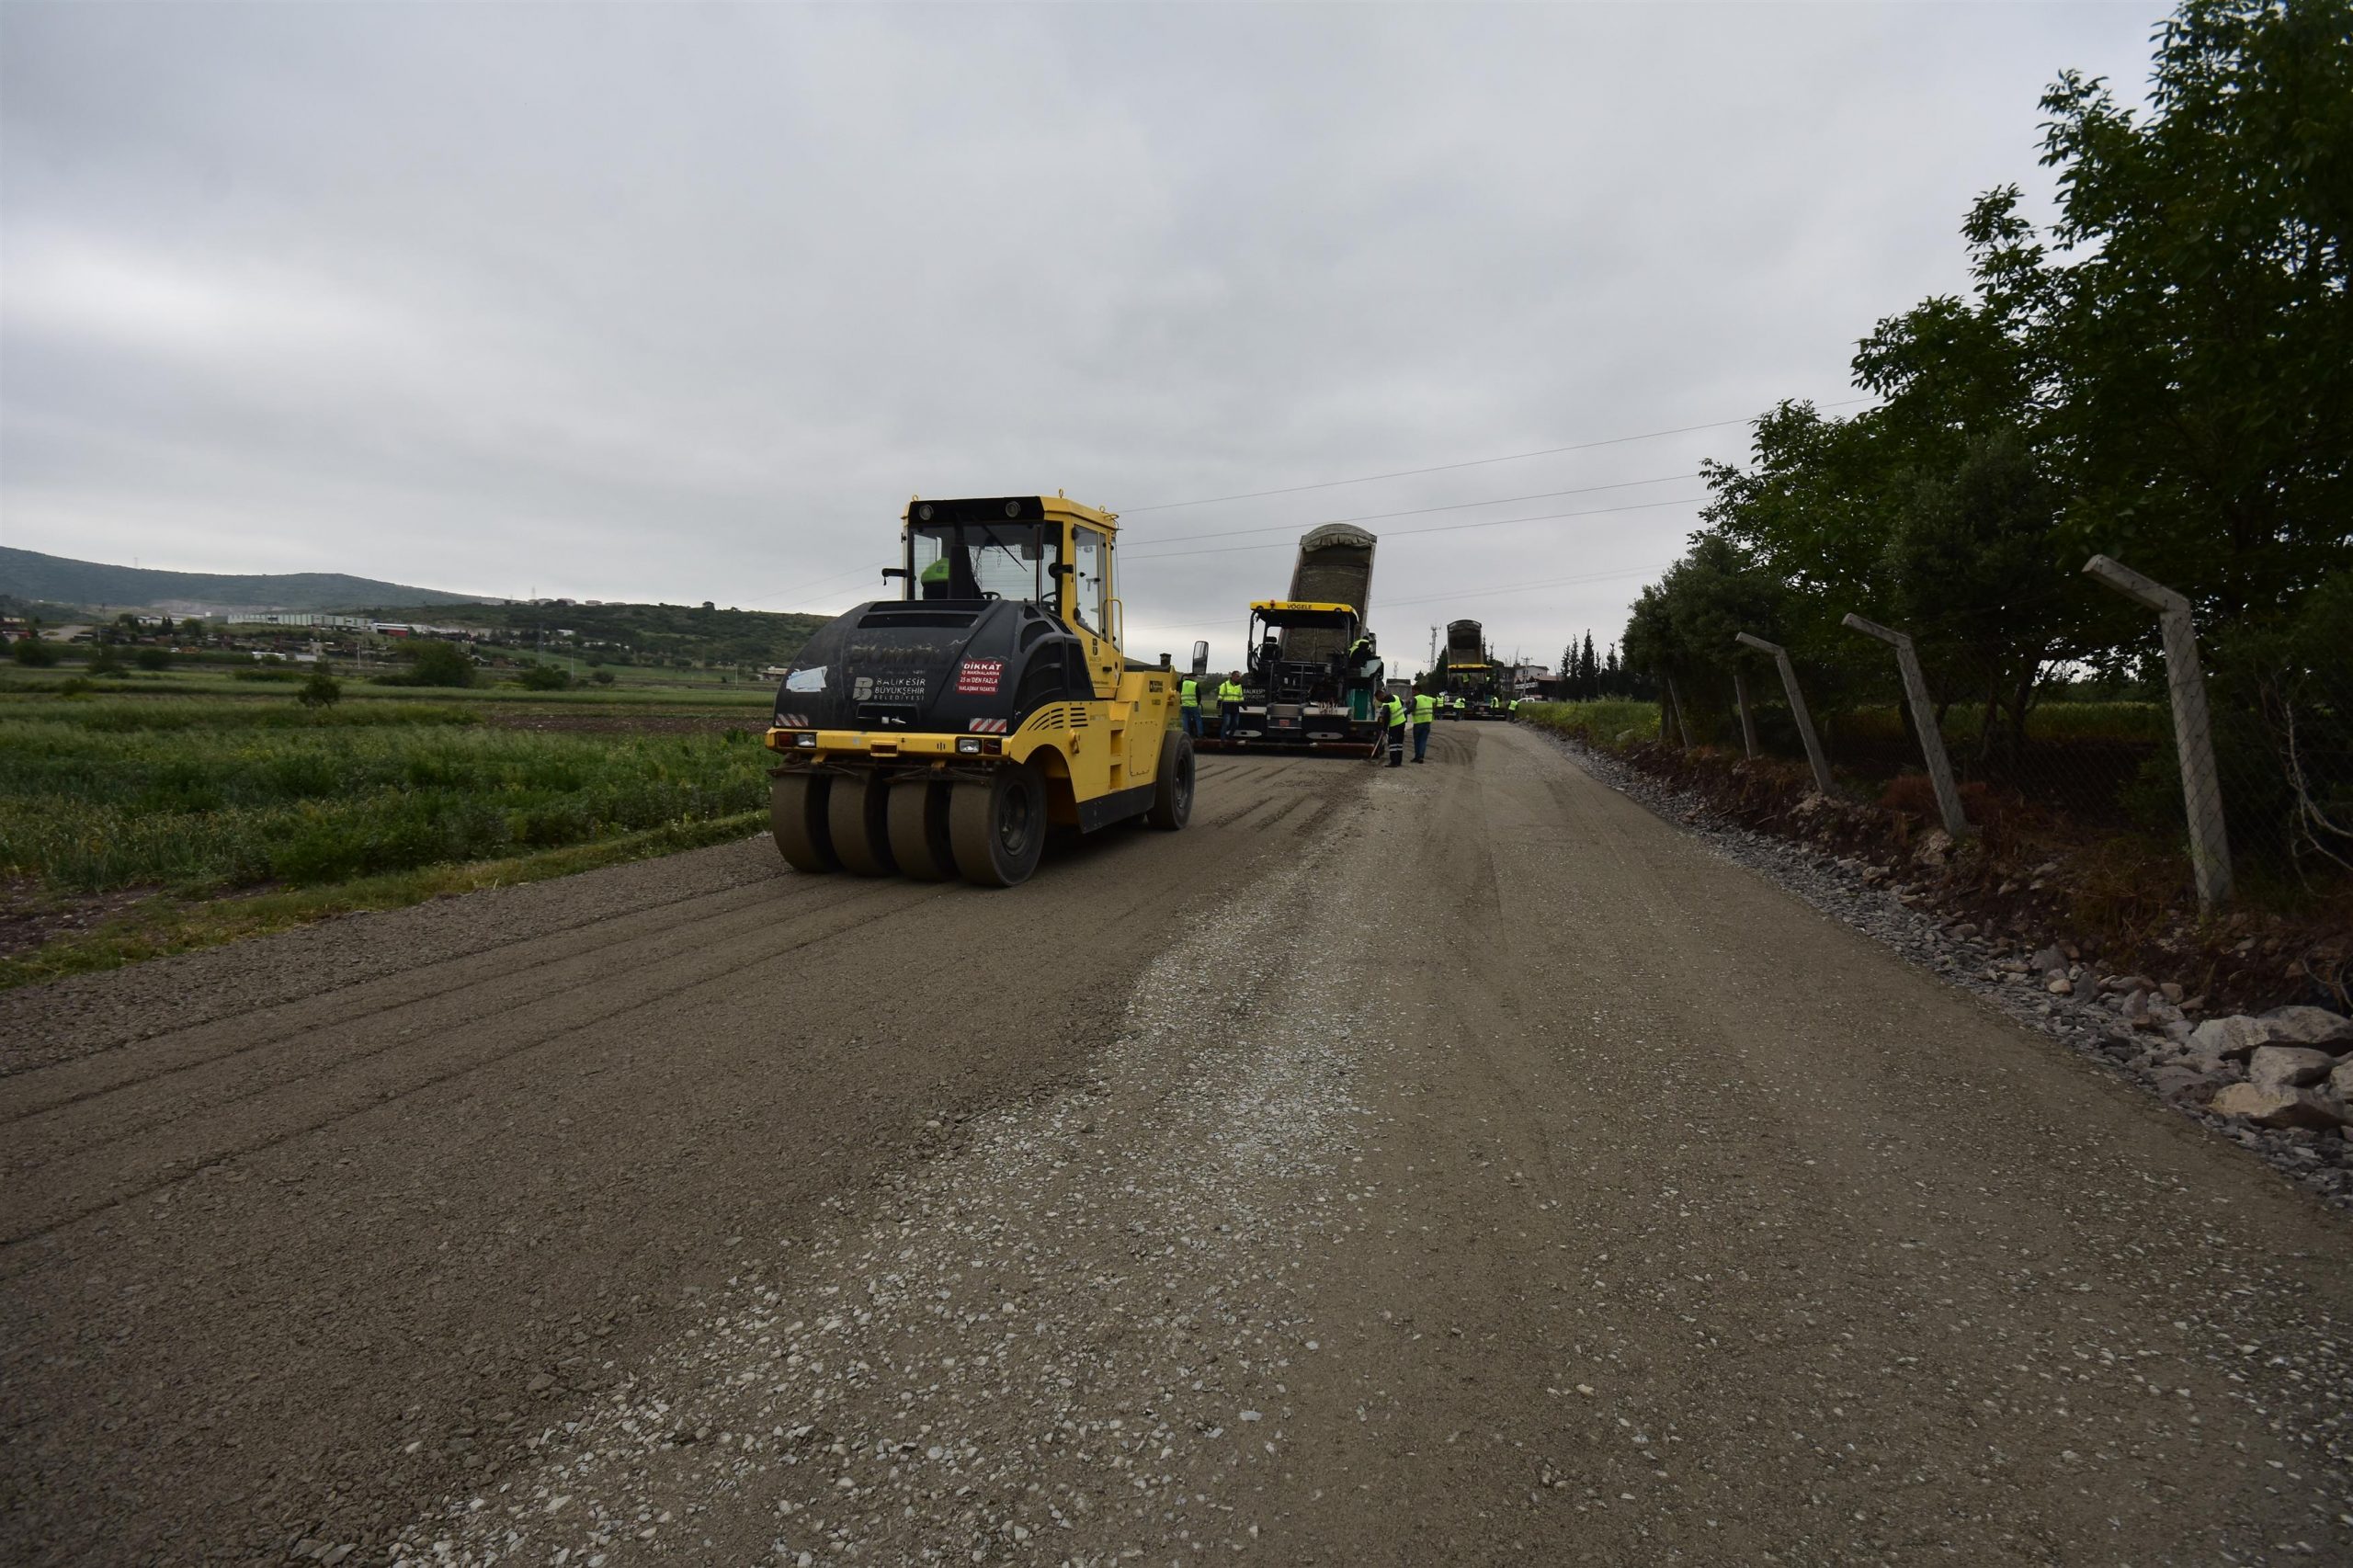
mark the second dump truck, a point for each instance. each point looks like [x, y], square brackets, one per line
[1468, 673]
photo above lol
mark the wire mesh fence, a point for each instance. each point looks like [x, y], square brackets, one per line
[2220, 759]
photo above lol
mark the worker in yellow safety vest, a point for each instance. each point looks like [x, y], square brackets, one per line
[1188, 702]
[1228, 702]
[935, 578]
[1393, 718]
[1425, 709]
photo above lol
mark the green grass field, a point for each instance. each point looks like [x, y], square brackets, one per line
[172, 805]
[1595, 724]
[630, 688]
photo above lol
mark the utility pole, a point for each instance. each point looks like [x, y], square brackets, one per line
[1433, 661]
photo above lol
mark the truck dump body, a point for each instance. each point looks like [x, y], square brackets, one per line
[1468, 671]
[1335, 566]
[1306, 688]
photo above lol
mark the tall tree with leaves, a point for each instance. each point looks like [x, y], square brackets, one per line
[2201, 332]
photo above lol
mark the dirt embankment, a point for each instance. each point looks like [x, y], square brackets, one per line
[2034, 880]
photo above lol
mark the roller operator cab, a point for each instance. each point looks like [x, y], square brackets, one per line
[941, 734]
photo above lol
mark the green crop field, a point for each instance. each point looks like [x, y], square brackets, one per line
[633, 688]
[191, 813]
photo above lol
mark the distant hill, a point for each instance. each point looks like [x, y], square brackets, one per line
[712, 636]
[29, 574]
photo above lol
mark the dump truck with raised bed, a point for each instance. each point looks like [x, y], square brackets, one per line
[1311, 670]
[1468, 673]
[942, 733]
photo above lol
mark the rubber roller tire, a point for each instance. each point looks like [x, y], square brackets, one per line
[997, 825]
[1172, 788]
[797, 819]
[856, 814]
[919, 829]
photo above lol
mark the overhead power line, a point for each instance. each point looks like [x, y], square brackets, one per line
[1448, 468]
[1530, 587]
[1424, 511]
[1433, 529]
[1446, 597]
[837, 577]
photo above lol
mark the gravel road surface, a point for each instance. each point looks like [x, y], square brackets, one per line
[1451, 1163]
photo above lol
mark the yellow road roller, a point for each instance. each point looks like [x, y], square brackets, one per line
[942, 733]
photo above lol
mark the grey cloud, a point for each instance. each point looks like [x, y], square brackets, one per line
[682, 302]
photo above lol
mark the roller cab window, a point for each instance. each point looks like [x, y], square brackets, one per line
[982, 561]
[1091, 579]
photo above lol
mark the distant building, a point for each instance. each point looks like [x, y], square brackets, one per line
[294, 618]
[413, 628]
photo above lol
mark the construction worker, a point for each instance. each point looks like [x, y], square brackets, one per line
[1229, 701]
[1392, 715]
[1425, 709]
[1188, 702]
[935, 578]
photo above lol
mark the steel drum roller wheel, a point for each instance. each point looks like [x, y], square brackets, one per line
[857, 814]
[919, 829]
[797, 818]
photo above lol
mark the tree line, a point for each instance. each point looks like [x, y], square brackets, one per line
[1589, 678]
[2163, 374]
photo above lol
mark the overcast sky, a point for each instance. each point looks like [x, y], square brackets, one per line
[682, 302]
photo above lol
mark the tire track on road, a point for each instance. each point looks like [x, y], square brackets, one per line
[51, 1195]
[45, 1090]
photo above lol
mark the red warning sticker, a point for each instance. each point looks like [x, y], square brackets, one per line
[980, 678]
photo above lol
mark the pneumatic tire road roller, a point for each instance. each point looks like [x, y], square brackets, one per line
[942, 733]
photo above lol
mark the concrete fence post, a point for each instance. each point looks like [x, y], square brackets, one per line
[1797, 705]
[2193, 734]
[1674, 711]
[1748, 717]
[1924, 718]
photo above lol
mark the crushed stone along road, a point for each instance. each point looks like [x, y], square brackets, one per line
[1447, 1164]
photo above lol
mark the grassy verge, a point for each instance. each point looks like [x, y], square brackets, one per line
[185, 818]
[172, 924]
[1607, 724]
[200, 681]
[202, 796]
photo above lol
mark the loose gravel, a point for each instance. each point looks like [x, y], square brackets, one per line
[1077, 1330]
[1861, 895]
